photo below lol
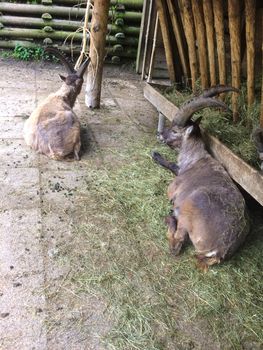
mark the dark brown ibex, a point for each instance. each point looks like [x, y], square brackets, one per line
[207, 206]
[53, 128]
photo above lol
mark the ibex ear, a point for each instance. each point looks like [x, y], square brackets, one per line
[62, 77]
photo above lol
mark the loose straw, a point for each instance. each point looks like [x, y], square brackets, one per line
[84, 39]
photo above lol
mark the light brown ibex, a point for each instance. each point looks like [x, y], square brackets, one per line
[207, 206]
[53, 128]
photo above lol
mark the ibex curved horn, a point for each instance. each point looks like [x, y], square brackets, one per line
[193, 105]
[80, 72]
[218, 89]
[63, 59]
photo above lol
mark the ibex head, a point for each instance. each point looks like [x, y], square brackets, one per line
[182, 125]
[75, 77]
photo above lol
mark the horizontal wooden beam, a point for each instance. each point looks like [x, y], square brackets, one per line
[63, 11]
[161, 103]
[59, 35]
[129, 4]
[250, 179]
[62, 24]
[111, 51]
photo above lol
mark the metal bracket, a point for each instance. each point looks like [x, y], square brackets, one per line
[160, 127]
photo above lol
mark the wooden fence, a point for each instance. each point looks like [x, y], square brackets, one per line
[206, 42]
[57, 22]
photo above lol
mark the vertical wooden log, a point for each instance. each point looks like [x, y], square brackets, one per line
[190, 38]
[201, 41]
[209, 26]
[261, 108]
[146, 40]
[98, 33]
[160, 5]
[220, 39]
[156, 27]
[234, 30]
[178, 38]
[250, 9]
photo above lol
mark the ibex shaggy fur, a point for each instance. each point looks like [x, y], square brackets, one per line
[53, 128]
[207, 206]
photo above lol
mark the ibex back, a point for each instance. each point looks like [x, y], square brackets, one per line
[207, 206]
[53, 128]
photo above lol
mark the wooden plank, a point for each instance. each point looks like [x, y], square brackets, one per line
[201, 41]
[179, 38]
[161, 10]
[250, 179]
[164, 106]
[143, 30]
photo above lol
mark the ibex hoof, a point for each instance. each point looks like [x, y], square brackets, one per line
[156, 156]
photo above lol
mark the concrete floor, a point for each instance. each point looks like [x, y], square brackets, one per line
[41, 199]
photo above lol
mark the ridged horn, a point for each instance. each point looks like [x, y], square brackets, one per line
[193, 105]
[83, 67]
[62, 57]
[218, 89]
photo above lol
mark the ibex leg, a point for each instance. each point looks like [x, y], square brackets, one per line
[173, 167]
[177, 236]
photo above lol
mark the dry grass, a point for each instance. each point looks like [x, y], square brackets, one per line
[156, 301]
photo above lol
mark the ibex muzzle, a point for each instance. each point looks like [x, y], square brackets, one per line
[53, 128]
[207, 206]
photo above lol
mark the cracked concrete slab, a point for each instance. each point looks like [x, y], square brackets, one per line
[15, 154]
[22, 78]
[20, 188]
[22, 305]
[16, 102]
[21, 251]
[11, 127]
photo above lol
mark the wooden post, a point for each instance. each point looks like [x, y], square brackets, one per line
[201, 41]
[209, 25]
[190, 38]
[98, 33]
[149, 10]
[178, 38]
[151, 66]
[234, 30]
[250, 6]
[160, 5]
[219, 30]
